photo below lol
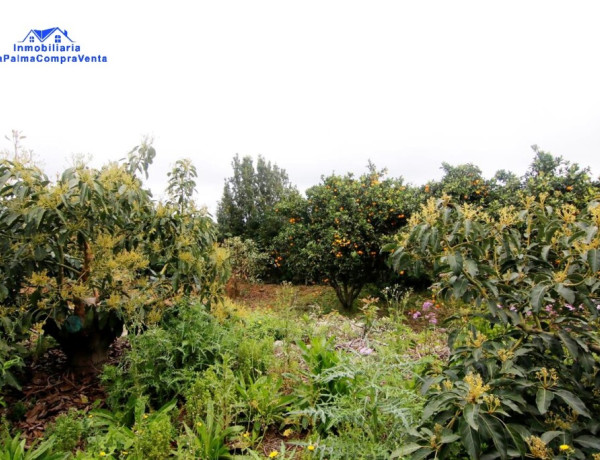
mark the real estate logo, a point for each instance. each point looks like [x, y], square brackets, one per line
[49, 46]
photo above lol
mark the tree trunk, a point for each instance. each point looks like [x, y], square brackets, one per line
[346, 294]
[87, 347]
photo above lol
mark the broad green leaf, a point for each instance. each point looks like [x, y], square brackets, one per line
[406, 449]
[515, 433]
[543, 399]
[459, 287]
[537, 296]
[456, 262]
[545, 251]
[495, 430]
[470, 413]
[422, 453]
[448, 438]
[548, 436]
[565, 293]
[588, 441]
[471, 267]
[593, 257]
[470, 439]
[574, 402]
[569, 343]
[437, 404]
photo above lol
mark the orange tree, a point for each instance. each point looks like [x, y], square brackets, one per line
[335, 234]
[464, 183]
[523, 375]
[562, 181]
[86, 254]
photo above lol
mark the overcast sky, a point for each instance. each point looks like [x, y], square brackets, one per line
[314, 86]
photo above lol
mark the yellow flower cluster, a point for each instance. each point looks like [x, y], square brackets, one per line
[538, 448]
[41, 279]
[52, 198]
[548, 378]
[493, 403]
[561, 424]
[568, 213]
[505, 355]
[507, 216]
[476, 340]
[476, 388]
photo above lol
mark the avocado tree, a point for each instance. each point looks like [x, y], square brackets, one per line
[522, 378]
[335, 234]
[91, 252]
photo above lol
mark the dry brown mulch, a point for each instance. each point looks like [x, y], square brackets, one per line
[50, 388]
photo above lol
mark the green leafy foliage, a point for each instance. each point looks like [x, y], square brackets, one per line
[67, 430]
[531, 277]
[335, 235]
[248, 263]
[14, 449]
[464, 183]
[11, 332]
[134, 431]
[249, 196]
[562, 181]
[165, 359]
[91, 251]
[208, 438]
[182, 184]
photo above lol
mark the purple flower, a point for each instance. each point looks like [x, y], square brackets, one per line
[569, 307]
[433, 320]
[528, 313]
[416, 314]
[512, 308]
[427, 305]
[548, 308]
[500, 306]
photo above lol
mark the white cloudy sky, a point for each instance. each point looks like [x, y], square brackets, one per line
[314, 86]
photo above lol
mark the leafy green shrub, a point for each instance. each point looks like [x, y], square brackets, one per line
[166, 358]
[153, 436]
[11, 332]
[165, 361]
[208, 438]
[264, 403]
[216, 385]
[254, 357]
[325, 378]
[133, 430]
[67, 430]
[531, 276]
[14, 449]
[247, 262]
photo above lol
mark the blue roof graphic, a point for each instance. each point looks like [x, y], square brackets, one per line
[43, 34]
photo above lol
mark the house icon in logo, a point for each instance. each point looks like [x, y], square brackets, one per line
[53, 35]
